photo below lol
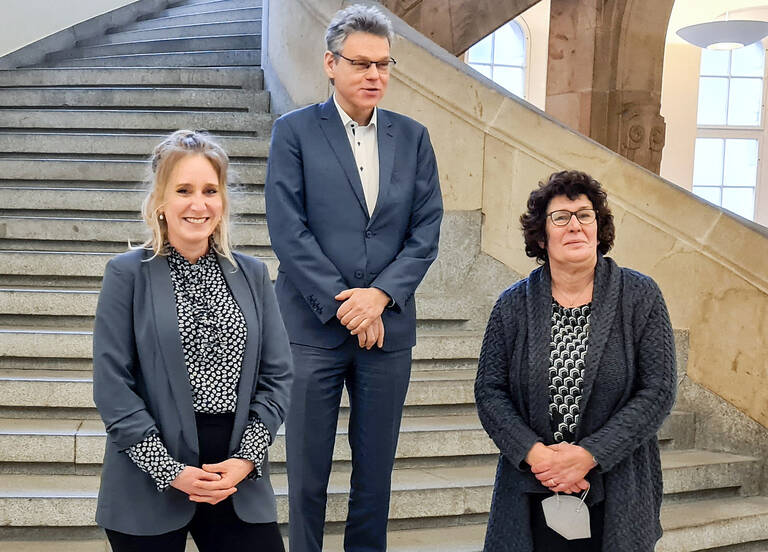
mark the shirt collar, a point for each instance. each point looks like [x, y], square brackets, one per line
[346, 119]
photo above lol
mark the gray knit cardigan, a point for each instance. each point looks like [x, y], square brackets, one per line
[629, 389]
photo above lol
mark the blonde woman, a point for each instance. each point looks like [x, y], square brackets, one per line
[192, 370]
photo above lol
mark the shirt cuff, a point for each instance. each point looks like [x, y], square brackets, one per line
[151, 457]
[253, 446]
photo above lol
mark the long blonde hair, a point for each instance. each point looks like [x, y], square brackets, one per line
[164, 158]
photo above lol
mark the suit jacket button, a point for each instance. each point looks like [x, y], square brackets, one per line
[358, 273]
[369, 234]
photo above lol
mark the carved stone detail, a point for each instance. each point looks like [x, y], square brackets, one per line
[642, 130]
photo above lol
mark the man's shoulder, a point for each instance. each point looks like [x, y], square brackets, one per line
[302, 113]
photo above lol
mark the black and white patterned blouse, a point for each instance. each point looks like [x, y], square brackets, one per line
[567, 353]
[213, 333]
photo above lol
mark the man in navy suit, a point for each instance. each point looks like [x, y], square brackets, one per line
[354, 211]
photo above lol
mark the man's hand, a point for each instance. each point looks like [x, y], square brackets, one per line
[227, 475]
[360, 308]
[565, 468]
[373, 335]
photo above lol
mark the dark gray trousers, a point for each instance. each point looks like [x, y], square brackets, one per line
[377, 382]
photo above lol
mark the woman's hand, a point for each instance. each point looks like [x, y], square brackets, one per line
[565, 469]
[230, 472]
[190, 479]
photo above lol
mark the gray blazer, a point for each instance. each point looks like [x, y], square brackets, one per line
[141, 384]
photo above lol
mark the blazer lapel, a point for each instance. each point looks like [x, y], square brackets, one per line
[336, 135]
[605, 300]
[386, 144]
[539, 313]
[241, 291]
[167, 323]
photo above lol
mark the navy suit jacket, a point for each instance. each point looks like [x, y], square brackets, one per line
[325, 238]
[141, 385]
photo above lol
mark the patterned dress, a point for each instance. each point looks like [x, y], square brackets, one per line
[568, 351]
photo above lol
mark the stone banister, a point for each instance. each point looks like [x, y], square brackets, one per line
[493, 148]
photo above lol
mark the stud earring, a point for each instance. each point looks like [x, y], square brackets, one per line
[162, 216]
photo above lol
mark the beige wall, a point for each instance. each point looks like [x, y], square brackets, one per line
[535, 22]
[49, 16]
[492, 149]
[679, 93]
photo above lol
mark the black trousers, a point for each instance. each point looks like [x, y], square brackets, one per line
[214, 528]
[547, 540]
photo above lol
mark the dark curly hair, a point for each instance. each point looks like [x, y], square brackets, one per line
[571, 184]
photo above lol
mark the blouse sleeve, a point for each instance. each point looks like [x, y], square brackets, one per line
[151, 457]
[253, 445]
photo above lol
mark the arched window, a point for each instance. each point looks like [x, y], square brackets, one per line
[501, 57]
[730, 128]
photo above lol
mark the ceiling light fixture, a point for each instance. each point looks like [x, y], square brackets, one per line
[724, 35]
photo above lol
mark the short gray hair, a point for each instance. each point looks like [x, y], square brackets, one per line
[357, 18]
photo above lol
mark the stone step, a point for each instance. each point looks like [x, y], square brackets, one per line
[33, 343]
[219, 58]
[82, 303]
[61, 143]
[711, 524]
[221, 15]
[253, 123]
[212, 6]
[42, 199]
[74, 389]
[107, 230]
[240, 77]
[247, 41]
[136, 98]
[177, 31]
[54, 168]
[81, 441]
[55, 264]
[69, 500]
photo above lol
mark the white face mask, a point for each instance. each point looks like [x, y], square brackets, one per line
[567, 515]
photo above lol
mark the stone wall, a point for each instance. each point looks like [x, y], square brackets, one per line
[492, 148]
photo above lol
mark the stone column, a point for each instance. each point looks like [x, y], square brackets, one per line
[604, 73]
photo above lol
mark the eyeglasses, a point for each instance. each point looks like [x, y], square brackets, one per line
[362, 65]
[562, 217]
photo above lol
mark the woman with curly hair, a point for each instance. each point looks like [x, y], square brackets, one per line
[576, 375]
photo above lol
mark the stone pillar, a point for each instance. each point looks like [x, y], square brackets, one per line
[604, 73]
[457, 24]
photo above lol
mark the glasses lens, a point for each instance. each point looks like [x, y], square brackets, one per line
[586, 216]
[561, 218]
[383, 66]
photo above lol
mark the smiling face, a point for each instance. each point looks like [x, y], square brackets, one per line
[574, 242]
[192, 203]
[358, 92]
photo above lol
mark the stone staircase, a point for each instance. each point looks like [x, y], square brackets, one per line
[74, 136]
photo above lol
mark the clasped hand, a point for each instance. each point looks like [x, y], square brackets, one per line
[214, 482]
[360, 312]
[561, 467]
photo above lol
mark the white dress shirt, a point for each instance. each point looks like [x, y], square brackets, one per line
[365, 147]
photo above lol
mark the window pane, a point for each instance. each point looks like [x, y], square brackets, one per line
[710, 194]
[748, 61]
[740, 163]
[740, 200]
[511, 78]
[484, 69]
[481, 52]
[745, 102]
[713, 100]
[708, 162]
[510, 45]
[714, 62]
